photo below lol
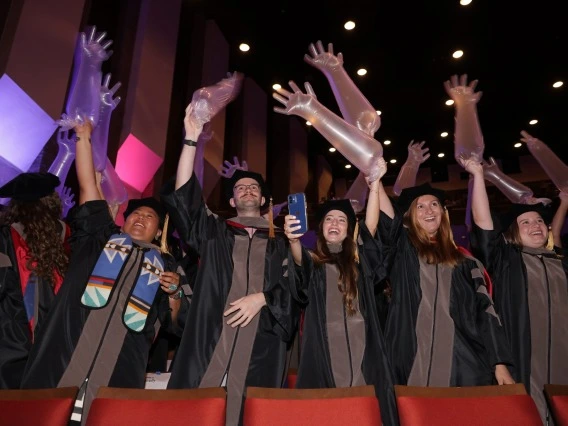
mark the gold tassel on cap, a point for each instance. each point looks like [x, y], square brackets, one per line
[550, 241]
[271, 233]
[355, 238]
[164, 240]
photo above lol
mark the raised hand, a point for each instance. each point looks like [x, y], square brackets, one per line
[228, 169]
[416, 153]
[460, 91]
[67, 201]
[322, 60]
[381, 170]
[92, 46]
[407, 175]
[295, 102]
[65, 156]
[107, 93]
[100, 133]
[472, 165]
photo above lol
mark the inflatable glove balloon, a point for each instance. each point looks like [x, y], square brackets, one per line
[83, 98]
[354, 107]
[468, 138]
[208, 101]
[357, 193]
[67, 201]
[554, 167]
[515, 191]
[64, 159]
[112, 188]
[407, 176]
[358, 147]
[99, 137]
[199, 162]
[228, 169]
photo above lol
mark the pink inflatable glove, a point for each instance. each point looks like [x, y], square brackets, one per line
[228, 169]
[99, 137]
[468, 138]
[357, 193]
[67, 202]
[65, 157]
[355, 108]
[357, 146]
[407, 176]
[113, 189]
[554, 167]
[515, 191]
[198, 164]
[208, 101]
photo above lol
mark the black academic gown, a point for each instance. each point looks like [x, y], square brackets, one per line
[15, 329]
[227, 254]
[450, 336]
[506, 265]
[62, 328]
[308, 286]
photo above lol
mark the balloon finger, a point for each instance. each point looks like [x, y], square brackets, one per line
[312, 50]
[330, 48]
[454, 80]
[280, 110]
[309, 88]
[294, 86]
[280, 99]
[319, 45]
[115, 87]
[284, 92]
[463, 80]
[473, 84]
[106, 80]
[101, 37]
[340, 56]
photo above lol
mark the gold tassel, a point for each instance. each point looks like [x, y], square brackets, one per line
[550, 242]
[355, 238]
[164, 240]
[271, 233]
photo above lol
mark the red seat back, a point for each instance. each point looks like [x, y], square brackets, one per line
[48, 407]
[308, 407]
[557, 399]
[467, 406]
[158, 407]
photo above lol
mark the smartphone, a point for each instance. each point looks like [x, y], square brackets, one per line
[297, 206]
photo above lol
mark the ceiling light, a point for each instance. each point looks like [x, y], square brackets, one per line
[457, 54]
[349, 25]
[387, 142]
[558, 84]
[518, 145]
[533, 122]
[244, 47]
[444, 134]
[392, 161]
[449, 102]
[308, 123]
[332, 149]
[348, 166]
[465, 2]
[276, 86]
[361, 71]
[441, 155]
[379, 112]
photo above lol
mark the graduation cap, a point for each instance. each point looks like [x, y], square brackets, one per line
[151, 202]
[408, 195]
[507, 218]
[241, 174]
[341, 205]
[30, 186]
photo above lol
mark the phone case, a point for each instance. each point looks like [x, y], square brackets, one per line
[297, 207]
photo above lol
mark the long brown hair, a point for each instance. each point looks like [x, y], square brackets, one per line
[441, 248]
[345, 262]
[40, 221]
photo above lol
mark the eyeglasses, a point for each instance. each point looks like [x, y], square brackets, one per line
[254, 187]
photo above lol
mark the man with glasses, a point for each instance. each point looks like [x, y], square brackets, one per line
[241, 316]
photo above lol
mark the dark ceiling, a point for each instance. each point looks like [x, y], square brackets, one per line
[515, 49]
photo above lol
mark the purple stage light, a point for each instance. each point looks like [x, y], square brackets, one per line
[25, 128]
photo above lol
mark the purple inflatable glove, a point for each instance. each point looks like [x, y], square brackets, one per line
[554, 167]
[112, 187]
[407, 176]
[354, 107]
[208, 101]
[357, 146]
[83, 98]
[228, 169]
[65, 157]
[99, 137]
[468, 138]
[67, 202]
[199, 162]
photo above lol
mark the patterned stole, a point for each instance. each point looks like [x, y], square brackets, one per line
[107, 272]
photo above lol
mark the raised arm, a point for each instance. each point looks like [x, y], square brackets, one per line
[407, 176]
[559, 218]
[88, 190]
[373, 201]
[479, 200]
[193, 128]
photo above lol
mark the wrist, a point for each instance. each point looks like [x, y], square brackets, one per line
[190, 142]
[177, 295]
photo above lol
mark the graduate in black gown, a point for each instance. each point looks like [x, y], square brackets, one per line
[116, 293]
[342, 342]
[33, 260]
[241, 315]
[442, 329]
[530, 283]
